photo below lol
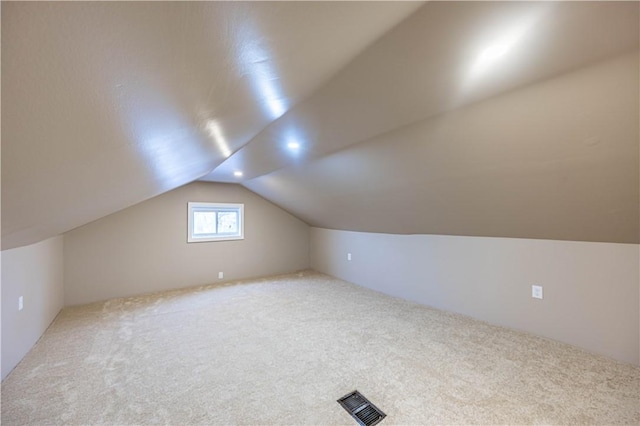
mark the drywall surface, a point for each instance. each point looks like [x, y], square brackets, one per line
[554, 160]
[34, 272]
[144, 248]
[590, 290]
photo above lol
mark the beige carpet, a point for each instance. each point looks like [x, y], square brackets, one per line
[282, 350]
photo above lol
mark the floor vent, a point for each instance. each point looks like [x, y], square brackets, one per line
[365, 413]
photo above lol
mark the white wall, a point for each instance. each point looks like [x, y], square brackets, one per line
[591, 290]
[36, 273]
[144, 249]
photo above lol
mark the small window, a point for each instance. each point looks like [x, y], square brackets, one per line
[215, 222]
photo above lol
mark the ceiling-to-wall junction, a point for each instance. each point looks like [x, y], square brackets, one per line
[469, 118]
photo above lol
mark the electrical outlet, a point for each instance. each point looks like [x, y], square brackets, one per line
[220, 275]
[349, 257]
[20, 303]
[536, 291]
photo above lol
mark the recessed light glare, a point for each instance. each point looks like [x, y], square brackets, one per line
[503, 43]
[216, 132]
[494, 52]
[237, 174]
[293, 145]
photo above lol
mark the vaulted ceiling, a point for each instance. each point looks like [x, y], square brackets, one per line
[515, 119]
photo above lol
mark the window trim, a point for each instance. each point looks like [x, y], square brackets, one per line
[192, 206]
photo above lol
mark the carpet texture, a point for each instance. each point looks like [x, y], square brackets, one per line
[282, 350]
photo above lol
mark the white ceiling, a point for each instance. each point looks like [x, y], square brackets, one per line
[108, 104]
[105, 104]
[424, 67]
[555, 160]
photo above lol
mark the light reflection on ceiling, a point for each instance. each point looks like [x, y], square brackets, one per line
[216, 133]
[499, 43]
[115, 102]
[256, 61]
[161, 135]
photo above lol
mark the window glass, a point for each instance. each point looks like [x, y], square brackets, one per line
[215, 222]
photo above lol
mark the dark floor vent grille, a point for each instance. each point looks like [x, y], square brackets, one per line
[363, 411]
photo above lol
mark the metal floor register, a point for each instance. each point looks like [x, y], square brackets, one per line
[363, 411]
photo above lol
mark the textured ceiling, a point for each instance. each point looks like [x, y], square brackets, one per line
[428, 65]
[105, 104]
[417, 135]
[555, 160]
[516, 119]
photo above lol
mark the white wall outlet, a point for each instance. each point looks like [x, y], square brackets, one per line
[220, 275]
[349, 257]
[536, 291]
[20, 303]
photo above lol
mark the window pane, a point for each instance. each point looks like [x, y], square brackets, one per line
[228, 222]
[204, 223]
[215, 222]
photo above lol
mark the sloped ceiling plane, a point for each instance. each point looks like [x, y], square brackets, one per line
[400, 117]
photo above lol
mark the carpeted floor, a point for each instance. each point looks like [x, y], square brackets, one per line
[282, 350]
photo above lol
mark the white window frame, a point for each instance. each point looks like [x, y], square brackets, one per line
[199, 206]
